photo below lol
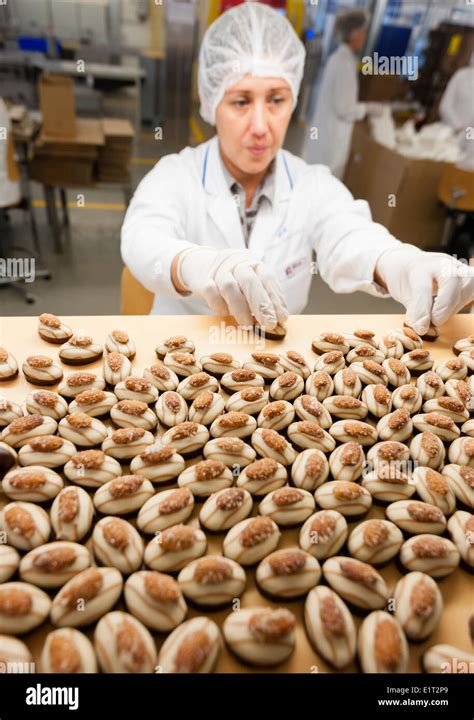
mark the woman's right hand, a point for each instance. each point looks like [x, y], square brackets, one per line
[233, 282]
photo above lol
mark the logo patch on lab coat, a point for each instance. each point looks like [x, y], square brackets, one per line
[295, 267]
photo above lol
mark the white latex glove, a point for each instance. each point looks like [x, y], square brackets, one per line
[374, 109]
[234, 282]
[413, 276]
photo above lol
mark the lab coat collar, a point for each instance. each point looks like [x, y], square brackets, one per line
[265, 189]
[214, 180]
[223, 210]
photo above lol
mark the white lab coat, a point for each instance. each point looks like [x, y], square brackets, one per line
[456, 109]
[185, 200]
[337, 109]
[457, 104]
[10, 192]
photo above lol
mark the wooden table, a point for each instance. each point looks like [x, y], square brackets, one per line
[212, 334]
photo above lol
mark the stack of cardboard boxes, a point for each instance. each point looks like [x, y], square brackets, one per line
[115, 154]
[66, 149]
[72, 151]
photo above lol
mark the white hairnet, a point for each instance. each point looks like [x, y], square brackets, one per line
[349, 21]
[249, 39]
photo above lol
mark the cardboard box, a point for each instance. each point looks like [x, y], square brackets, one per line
[68, 161]
[84, 143]
[118, 130]
[401, 191]
[57, 104]
[382, 88]
[62, 172]
[115, 155]
[87, 137]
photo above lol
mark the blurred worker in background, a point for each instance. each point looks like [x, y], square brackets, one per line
[337, 104]
[10, 193]
[456, 109]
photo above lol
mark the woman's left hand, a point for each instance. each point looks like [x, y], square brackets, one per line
[413, 276]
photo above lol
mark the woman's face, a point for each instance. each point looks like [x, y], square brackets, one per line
[251, 120]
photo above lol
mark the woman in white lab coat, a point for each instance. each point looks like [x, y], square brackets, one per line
[338, 106]
[189, 238]
[457, 104]
[456, 109]
[10, 193]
